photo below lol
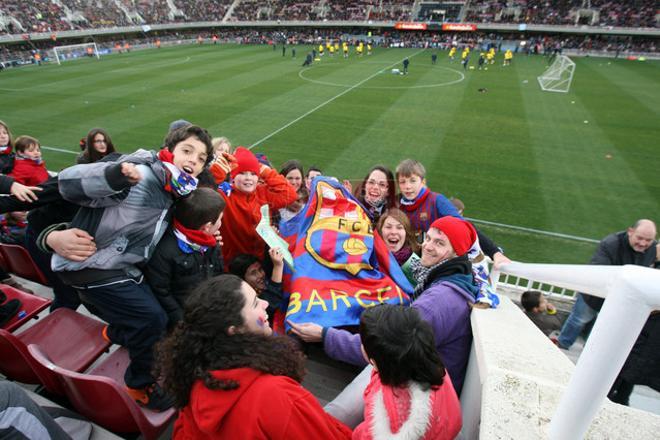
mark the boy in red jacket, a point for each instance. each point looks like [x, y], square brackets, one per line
[253, 185]
[29, 168]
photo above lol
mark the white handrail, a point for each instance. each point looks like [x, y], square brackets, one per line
[631, 293]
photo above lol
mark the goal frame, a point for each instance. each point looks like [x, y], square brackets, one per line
[559, 76]
[73, 46]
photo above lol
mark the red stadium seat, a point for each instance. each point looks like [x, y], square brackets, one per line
[101, 397]
[3, 264]
[31, 306]
[72, 340]
[19, 262]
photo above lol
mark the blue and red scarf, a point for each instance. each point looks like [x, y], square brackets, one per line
[178, 182]
[192, 240]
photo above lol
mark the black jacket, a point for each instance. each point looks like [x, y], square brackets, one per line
[172, 273]
[6, 163]
[615, 250]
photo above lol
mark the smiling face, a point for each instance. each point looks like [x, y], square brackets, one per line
[410, 186]
[394, 234]
[255, 317]
[376, 187]
[295, 178]
[246, 182]
[100, 144]
[190, 156]
[256, 277]
[4, 136]
[436, 248]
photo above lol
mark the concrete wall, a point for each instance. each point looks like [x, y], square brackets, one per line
[516, 378]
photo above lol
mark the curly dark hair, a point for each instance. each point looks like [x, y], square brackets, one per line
[201, 343]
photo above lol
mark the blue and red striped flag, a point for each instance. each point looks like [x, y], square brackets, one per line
[342, 266]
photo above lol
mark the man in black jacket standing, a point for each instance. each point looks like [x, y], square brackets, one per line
[636, 245]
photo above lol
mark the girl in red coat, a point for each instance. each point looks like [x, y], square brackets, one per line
[410, 397]
[29, 168]
[231, 379]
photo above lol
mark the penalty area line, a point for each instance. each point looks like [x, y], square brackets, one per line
[323, 104]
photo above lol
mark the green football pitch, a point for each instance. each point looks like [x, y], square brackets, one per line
[584, 163]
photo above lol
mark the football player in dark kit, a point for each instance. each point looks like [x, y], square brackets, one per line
[405, 66]
[308, 60]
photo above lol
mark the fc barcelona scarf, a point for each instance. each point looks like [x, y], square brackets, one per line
[178, 182]
[342, 266]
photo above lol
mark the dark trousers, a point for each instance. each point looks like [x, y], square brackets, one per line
[621, 391]
[136, 321]
[65, 296]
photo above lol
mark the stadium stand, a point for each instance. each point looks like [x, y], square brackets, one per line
[51, 16]
[637, 13]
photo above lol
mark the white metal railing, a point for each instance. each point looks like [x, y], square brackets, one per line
[519, 283]
[631, 293]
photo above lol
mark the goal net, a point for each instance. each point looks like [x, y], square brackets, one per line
[75, 51]
[559, 75]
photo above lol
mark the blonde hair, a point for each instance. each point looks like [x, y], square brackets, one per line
[10, 143]
[409, 167]
[216, 142]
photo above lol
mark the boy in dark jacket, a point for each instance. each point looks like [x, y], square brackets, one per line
[188, 253]
[542, 313]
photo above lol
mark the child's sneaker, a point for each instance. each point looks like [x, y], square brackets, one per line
[152, 397]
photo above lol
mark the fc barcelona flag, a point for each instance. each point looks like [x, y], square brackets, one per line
[341, 265]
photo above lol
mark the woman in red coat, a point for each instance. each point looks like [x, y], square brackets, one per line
[231, 378]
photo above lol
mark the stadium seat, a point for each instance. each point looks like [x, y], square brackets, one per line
[19, 262]
[3, 264]
[31, 306]
[100, 396]
[72, 340]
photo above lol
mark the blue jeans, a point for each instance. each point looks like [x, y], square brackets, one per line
[580, 316]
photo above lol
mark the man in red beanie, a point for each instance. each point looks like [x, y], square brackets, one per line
[246, 197]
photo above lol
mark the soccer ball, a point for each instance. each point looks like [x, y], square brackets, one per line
[471, 67]
[485, 68]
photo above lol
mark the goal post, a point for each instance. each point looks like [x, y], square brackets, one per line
[559, 76]
[74, 51]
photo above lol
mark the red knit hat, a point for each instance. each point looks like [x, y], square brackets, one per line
[461, 234]
[245, 161]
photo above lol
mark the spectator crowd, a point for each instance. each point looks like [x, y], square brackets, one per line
[49, 16]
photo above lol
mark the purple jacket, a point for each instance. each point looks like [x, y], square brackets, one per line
[443, 305]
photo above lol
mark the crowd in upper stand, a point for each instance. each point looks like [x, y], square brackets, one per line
[48, 16]
[636, 13]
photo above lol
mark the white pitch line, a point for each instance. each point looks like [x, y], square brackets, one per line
[534, 231]
[330, 100]
[61, 150]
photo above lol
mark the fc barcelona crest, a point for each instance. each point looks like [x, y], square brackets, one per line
[341, 235]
